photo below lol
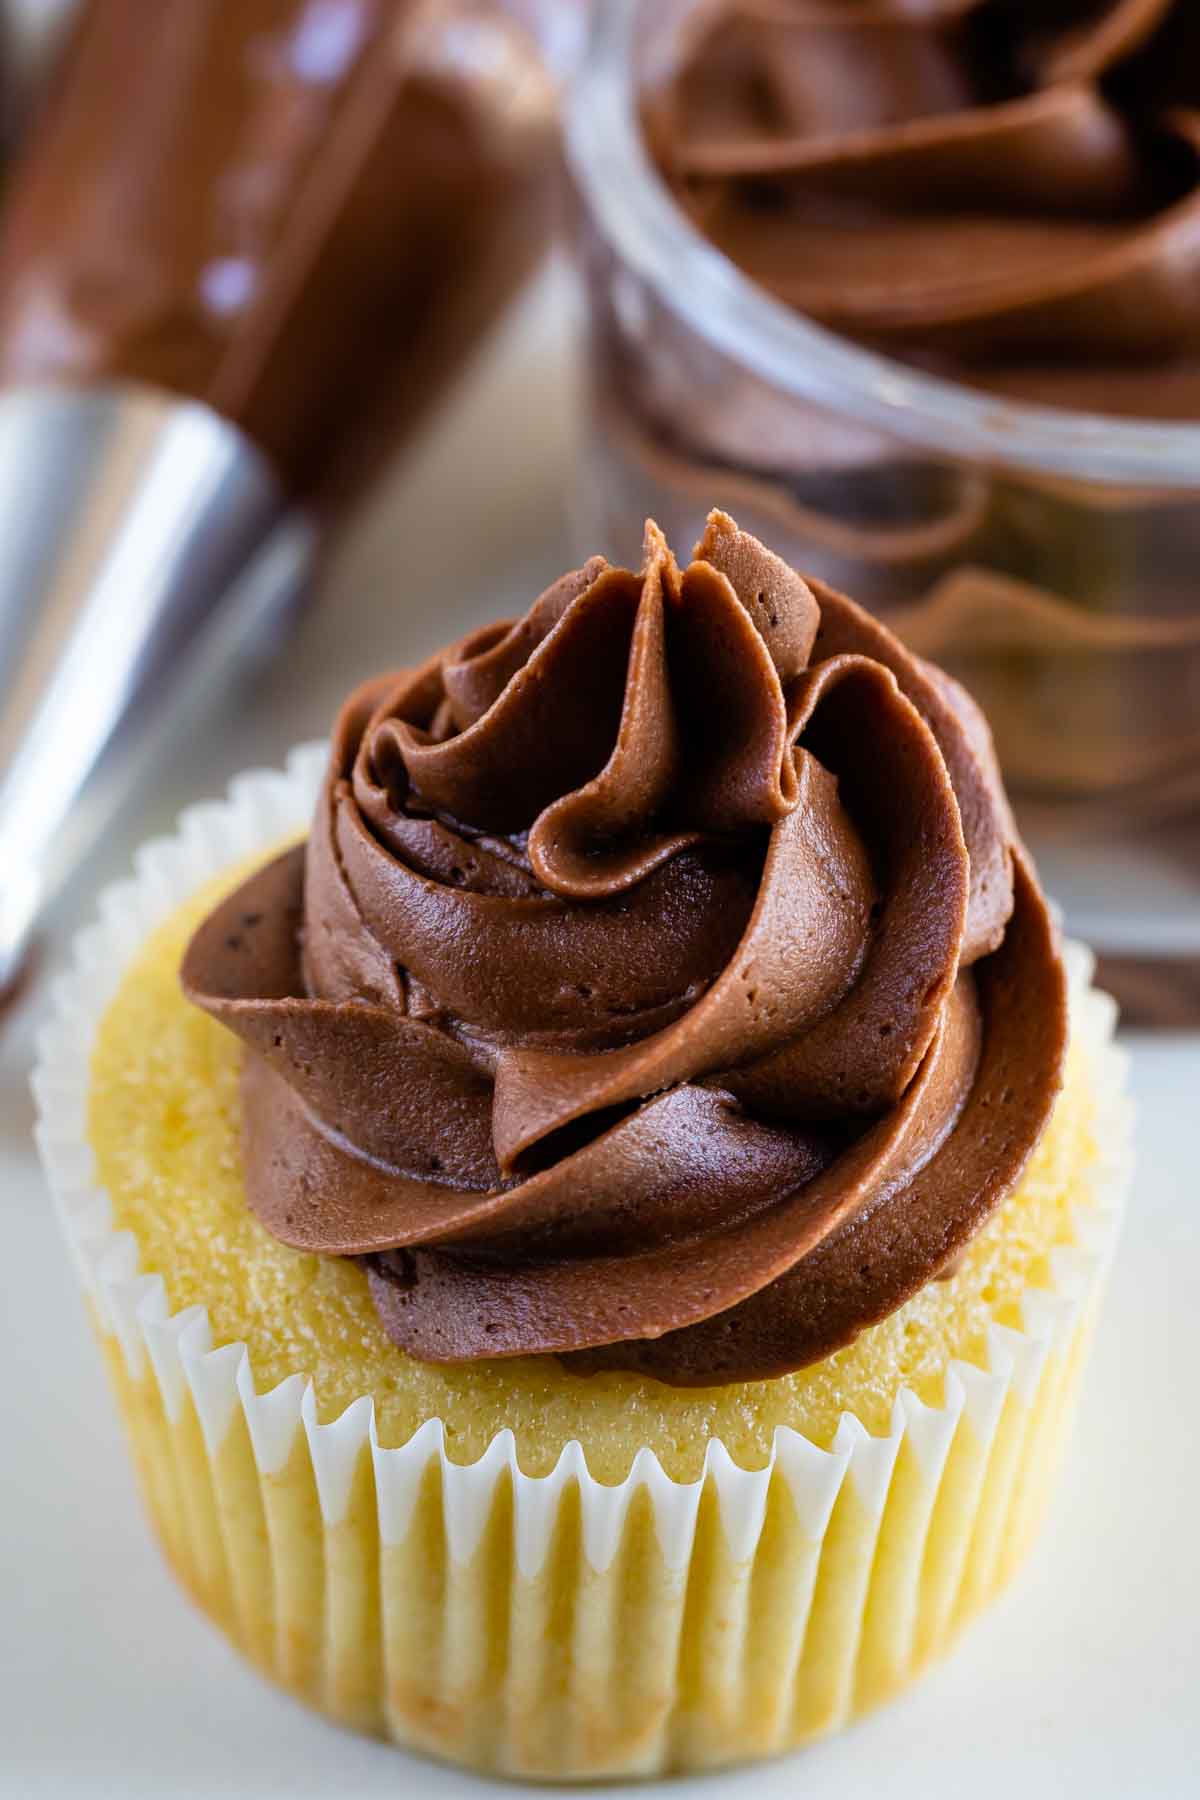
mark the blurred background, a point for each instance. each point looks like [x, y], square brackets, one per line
[330, 329]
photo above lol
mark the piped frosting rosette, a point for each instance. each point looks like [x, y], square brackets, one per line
[661, 986]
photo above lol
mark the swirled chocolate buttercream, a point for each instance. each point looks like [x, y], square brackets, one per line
[661, 985]
[1007, 190]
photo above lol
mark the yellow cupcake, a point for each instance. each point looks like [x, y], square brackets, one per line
[609, 1303]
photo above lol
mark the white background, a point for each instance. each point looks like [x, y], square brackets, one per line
[1085, 1678]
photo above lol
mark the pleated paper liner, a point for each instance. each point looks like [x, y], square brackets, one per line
[554, 1626]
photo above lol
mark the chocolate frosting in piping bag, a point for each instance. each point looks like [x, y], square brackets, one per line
[301, 214]
[661, 986]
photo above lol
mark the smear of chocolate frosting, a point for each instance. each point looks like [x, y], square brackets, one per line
[1004, 189]
[662, 984]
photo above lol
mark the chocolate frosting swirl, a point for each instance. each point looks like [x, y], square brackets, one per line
[661, 984]
[1005, 190]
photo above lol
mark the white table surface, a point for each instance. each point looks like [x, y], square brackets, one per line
[1083, 1681]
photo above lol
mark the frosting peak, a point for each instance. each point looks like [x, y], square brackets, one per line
[571, 725]
[650, 956]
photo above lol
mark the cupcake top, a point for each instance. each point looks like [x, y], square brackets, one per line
[662, 984]
[1005, 191]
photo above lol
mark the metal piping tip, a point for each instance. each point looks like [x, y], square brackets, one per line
[144, 546]
[20, 898]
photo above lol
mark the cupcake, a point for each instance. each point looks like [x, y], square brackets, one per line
[593, 1192]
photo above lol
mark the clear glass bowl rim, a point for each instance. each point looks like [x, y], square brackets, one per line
[634, 209]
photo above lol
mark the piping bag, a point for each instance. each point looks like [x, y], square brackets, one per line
[247, 243]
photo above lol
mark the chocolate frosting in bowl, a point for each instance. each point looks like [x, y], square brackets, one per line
[1001, 190]
[661, 986]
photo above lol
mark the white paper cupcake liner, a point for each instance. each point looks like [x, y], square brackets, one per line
[555, 1625]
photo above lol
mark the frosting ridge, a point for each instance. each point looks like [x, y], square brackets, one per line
[662, 984]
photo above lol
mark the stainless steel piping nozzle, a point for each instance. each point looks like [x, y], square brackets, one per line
[145, 545]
